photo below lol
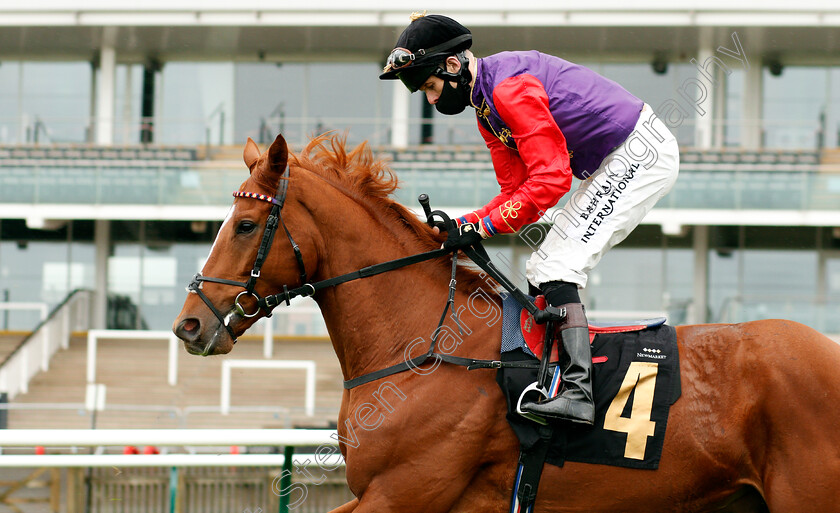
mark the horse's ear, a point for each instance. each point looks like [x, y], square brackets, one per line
[278, 154]
[251, 154]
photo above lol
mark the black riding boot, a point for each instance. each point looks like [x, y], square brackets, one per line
[574, 402]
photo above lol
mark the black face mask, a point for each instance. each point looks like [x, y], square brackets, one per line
[453, 100]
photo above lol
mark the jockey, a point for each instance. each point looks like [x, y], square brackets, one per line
[546, 120]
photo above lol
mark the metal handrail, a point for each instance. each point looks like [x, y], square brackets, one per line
[52, 314]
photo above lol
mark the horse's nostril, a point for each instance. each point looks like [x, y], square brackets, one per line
[187, 330]
[190, 325]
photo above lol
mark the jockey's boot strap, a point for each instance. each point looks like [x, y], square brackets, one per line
[574, 402]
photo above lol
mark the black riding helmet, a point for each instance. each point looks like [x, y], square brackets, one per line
[422, 46]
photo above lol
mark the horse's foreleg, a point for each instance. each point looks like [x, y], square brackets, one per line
[346, 508]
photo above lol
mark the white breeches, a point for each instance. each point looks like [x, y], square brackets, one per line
[608, 205]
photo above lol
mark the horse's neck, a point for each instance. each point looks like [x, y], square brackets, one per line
[372, 320]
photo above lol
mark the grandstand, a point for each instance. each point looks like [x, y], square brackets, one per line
[121, 132]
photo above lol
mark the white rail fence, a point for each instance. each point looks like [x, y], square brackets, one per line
[94, 336]
[96, 392]
[52, 333]
[175, 481]
[307, 365]
[326, 440]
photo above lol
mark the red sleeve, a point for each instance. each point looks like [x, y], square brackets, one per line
[522, 103]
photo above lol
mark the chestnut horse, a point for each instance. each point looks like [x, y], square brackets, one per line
[757, 427]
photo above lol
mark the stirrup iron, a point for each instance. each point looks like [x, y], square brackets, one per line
[533, 387]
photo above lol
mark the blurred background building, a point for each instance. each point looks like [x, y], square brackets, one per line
[121, 133]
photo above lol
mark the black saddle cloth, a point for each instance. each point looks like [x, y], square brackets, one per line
[630, 425]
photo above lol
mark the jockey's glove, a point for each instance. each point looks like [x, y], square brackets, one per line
[465, 235]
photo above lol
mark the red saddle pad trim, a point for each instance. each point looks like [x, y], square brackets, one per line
[534, 334]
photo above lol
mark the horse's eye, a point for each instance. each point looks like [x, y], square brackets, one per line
[245, 227]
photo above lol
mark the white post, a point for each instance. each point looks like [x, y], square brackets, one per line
[225, 393]
[173, 359]
[91, 356]
[105, 95]
[701, 275]
[128, 104]
[65, 322]
[753, 98]
[268, 337]
[399, 115]
[45, 349]
[24, 369]
[704, 126]
[102, 241]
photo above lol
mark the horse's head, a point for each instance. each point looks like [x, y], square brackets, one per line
[224, 297]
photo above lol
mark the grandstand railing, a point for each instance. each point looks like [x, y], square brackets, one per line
[460, 176]
[33, 354]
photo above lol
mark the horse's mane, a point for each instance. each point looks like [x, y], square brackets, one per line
[370, 181]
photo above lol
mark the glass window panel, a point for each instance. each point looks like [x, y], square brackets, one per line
[723, 285]
[345, 97]
[197, 104]
[656, 89]
[44, 101]
[23, 280]
[10, 102]
[627, 279]
[832, 122]
[793, 105]
[679, 284]
[734, 108]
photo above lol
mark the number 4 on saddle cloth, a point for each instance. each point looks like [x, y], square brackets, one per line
[635, 376]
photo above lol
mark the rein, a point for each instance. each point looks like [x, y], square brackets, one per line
[268, 303]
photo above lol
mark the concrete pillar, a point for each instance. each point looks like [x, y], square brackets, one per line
[399, 115]
[102, 241]
[705, 122]
[105, 92]
[752, 136]
[712, 73]
[128, 105]
[700, 302]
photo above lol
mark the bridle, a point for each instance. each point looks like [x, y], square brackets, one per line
[274, 220]
[268, 303]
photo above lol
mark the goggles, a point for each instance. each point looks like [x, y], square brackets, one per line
[400, 58]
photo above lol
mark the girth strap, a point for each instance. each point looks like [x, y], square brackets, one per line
[529, 472]
[469, 363]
